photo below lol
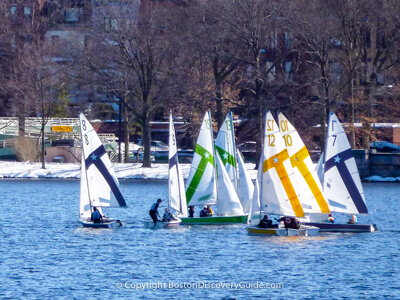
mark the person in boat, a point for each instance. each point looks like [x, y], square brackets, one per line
[203, 212]
[331, 219]
[266, 223]
[96, 216]
[290, 222]
[167, 217]
[209, 211]
[353, 219]
[191, 211]
[153, 211]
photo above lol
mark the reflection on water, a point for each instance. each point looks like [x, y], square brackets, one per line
[45, 252]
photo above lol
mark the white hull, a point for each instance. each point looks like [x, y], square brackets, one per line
[303, 231]
[112, 224]
[160, 224]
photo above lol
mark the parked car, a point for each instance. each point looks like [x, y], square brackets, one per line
[383, 146]
[154, 145]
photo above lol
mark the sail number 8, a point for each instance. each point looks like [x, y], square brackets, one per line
[83, 125]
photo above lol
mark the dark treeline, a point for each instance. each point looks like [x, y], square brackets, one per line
[301, 57]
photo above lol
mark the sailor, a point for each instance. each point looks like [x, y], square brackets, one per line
[153, 211]
[209, 211]
[265, 223]
[353, 219]
[191, 211]
[331, 219]
[290, 222]
[167, 216]
[96, 216]
[203, 212]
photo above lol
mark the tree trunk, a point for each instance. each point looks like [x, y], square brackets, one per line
[218, 98]
[146, 141]
[126, 133]
[43, 148]
[352, 135]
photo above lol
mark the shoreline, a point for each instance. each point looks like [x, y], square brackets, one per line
[129, 171]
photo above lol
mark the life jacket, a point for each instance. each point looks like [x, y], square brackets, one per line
[154, 206]
[96, 215]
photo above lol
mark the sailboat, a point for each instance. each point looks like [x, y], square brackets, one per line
[99, 183]
[225, 146]
[341, 182]
[276, 191]
[210, 184]
[310, 188]
[176, 186]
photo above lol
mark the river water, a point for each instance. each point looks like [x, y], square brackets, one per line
[45, 254]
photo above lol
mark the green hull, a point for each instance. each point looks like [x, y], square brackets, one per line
[217, 220]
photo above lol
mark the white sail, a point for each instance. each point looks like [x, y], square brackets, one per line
[102, 186]
[320, 167]
[246, 186]
[226, 148]
[84, 206]
[308, 183]
[201, 186]
[279, 193]
[342, 184]
[228, 203]
[255, 208]
[176, 186]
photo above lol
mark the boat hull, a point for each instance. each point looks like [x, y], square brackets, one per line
[334, 227]
[214, 220]
[266, 231]
[302, 231]
[160, 224]
[106, 224]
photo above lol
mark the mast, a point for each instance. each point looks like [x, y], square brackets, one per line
[234, 152]
[262, 159]
[213, 153]
[82, 126]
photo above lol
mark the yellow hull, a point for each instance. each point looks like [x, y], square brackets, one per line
[266, 231]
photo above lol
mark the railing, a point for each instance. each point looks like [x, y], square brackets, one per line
[10, 143]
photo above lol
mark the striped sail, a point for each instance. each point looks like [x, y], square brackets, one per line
[226, 148]
[176, 186]
[308, 183]
[201, 187]
[279, 194]
[342, 184]
[99, 182]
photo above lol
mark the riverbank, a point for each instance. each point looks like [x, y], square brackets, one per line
[124, 171]
[73, 171]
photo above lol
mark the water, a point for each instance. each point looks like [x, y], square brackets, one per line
[45, 254]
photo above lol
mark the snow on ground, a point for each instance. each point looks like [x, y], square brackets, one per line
[124, 171]
[64, 170]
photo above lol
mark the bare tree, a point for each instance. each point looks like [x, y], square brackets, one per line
[133, 63]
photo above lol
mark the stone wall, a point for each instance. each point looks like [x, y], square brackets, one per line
[371, 163]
